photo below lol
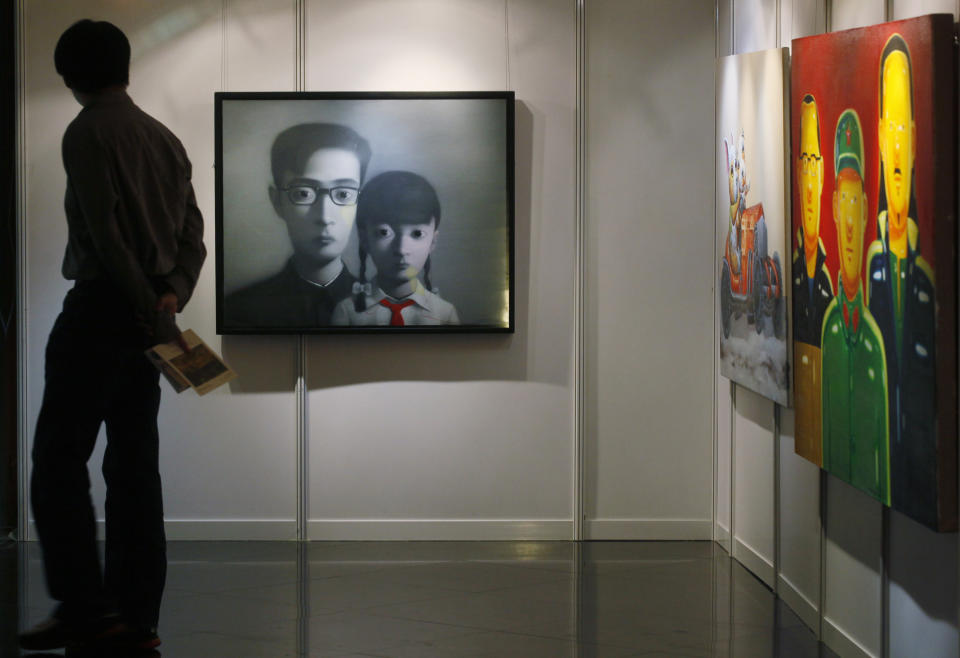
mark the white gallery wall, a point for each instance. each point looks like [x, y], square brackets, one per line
[647, 269]
[227, 459]
[776, 514]
[419, 436]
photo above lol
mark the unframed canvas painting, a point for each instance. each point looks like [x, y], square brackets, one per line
[874, 149]
[751, 234]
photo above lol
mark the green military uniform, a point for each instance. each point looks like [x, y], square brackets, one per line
[854, 398]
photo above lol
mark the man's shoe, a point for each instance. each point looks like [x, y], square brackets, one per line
[136, 637]
[50, 634]
[56, 633]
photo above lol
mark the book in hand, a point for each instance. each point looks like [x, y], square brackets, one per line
[200, 368]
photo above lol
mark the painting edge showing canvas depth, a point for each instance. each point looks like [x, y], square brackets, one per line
[365, 212]
[874, 167]
[752, 210]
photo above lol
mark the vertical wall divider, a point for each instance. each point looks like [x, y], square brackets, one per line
[224, 8]
[733, 469]
[579, 412]
[884, 581]
[716, 338]
[23, 519]
[733, 27]
[779, 14]
[506, 42]
[302, 387]
[822, 593]
[776, 498]
[303, 435]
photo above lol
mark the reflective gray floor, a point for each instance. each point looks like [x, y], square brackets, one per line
[433, 599]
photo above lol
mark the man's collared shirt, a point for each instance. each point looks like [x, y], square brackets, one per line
[132, 216]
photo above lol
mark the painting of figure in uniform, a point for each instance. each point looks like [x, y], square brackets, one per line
[901, 293]
[854, 382]
[888, 339]
[812, 287]
[751, 224]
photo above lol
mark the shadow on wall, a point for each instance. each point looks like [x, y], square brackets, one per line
[755, 408]
[268, 363]
[921, 563]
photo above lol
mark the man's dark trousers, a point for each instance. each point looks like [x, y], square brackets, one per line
[96, 372]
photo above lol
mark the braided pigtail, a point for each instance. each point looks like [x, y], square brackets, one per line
[426, 276]
[361, 286]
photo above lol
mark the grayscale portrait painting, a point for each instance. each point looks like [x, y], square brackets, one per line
[367, 212]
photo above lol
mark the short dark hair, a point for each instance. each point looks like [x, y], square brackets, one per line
[810, 100]
[401, 196]
[896, 44]
[93, 55]
[293, 147]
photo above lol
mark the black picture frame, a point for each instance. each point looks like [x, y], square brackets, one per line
[460, 143]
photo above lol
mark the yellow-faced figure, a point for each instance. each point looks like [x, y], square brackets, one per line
[901, 294]
[854, 387]
[398, 220]
[317, 172]
[810, 179]
[849, 200]
[897, 135]
[812, 285]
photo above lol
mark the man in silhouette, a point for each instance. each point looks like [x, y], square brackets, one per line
[134, 251]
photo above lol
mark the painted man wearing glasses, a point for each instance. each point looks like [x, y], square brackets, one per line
[317, 172]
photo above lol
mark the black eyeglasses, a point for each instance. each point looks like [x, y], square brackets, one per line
[808, 163]
[307, 195]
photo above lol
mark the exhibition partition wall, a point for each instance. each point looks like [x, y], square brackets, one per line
[870, 582]
[8, 277]
[448, 436]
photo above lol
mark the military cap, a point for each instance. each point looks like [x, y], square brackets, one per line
[848, 145]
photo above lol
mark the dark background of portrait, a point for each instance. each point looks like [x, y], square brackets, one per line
[459, 145]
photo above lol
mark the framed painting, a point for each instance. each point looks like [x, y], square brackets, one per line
[364, 212]
[753, 272]
[874, 242]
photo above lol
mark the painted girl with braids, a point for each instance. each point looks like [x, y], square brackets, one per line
[398, 219]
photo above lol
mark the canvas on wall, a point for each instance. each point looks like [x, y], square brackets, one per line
[873, 158]
[751, 223]
[364, 212]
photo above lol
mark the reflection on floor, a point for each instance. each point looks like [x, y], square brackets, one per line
[431, 599]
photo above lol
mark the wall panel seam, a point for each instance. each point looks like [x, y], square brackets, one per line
[23, 338]
[223, 44]
[302, 388]
[716, 355]
[579, 424]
